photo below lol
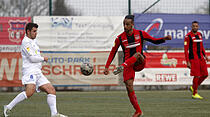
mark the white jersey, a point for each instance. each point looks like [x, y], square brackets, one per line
[32, 60]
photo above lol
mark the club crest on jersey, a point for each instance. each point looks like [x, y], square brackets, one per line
[137, 37]
[16, 30]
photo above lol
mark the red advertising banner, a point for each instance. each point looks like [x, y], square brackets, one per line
[10, 69]
[167, 60]
[12, 30]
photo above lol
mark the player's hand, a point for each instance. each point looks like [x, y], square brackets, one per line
[168, 37]
[188, 65]
[106, 71]
[46, 59]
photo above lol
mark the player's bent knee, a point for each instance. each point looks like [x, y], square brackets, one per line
[30, 90]
[29, 94]
[129, 87]
[137, 55]
[205, 76]
[51, 90]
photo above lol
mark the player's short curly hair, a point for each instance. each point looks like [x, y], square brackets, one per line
[30, 25]
[195, 22]
[129, 17]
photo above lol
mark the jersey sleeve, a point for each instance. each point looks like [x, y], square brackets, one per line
[113, 52]
[30, 53]
[151, 39]
[203, 50]
[186, 48]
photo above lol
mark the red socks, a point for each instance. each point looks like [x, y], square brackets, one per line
[195, 85]
[134, 101]
[196, 82]
[129, 62]
[201, 80]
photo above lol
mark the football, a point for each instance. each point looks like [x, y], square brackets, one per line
[86, 69]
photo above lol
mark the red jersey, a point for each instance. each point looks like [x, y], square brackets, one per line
[131, 44]
[193, 46]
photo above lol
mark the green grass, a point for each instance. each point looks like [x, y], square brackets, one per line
[113, 104]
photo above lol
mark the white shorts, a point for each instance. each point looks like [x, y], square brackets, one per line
[37, 78]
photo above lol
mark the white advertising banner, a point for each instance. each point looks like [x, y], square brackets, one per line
[165, 76]
[166, 68]
[63, 68]
[78, 33]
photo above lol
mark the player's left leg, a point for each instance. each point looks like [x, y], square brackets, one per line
[204, 71]
[201, 79]
[137, 57]
[47, 87]
[51, 99]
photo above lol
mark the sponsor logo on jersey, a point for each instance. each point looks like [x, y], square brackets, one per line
[28, 49]
[137, 37]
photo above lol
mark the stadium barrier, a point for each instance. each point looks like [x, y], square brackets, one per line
[69, 41]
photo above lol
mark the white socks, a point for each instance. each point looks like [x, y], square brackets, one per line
[20, 97]
[51, 100]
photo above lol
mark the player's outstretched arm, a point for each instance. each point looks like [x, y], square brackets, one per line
[111, 55]
[154, 40]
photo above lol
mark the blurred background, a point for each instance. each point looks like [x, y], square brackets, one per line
[73, 32]
[25, 8]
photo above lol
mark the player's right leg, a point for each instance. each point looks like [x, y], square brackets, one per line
[196, 72]
[128, 77]
[30, 89]
[137, 57]
[133, 98]
[195, 94]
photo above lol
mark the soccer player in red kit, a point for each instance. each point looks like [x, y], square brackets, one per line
[196, 58]
[131, 41]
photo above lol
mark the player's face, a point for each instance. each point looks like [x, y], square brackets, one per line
[195, 27]
[32, 34]
[128, 25]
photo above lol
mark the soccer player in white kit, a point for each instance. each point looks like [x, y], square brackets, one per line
[33, 79]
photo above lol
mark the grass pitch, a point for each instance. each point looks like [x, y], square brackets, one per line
[113, 104]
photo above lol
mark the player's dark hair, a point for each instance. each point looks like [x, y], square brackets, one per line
[195, 22]
[129, 17]
[29, 26]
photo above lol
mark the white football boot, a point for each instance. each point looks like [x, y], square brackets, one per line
[6, 111]
[59, 115]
